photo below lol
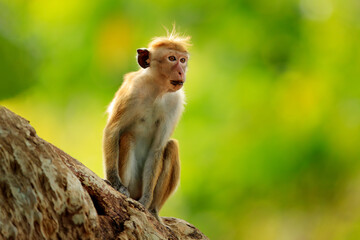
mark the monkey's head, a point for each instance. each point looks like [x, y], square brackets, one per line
[166, 58]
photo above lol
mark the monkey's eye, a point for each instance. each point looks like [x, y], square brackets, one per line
[172, 58]
[182, 60]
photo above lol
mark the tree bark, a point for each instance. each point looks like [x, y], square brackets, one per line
[47, 194]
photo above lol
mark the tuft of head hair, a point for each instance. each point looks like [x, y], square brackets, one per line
[173, 40]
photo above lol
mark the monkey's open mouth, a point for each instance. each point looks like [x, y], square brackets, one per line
[177, 82]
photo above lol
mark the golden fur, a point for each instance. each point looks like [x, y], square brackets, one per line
[140, 159]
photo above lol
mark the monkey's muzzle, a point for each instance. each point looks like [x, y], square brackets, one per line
[177, 82]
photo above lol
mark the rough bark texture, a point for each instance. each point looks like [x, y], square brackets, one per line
[47, 194]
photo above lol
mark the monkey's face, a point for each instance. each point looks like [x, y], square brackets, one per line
[170, 65]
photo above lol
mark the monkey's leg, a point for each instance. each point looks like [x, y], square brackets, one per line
[168, 179]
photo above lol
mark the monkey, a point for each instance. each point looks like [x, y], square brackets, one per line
[140, 160]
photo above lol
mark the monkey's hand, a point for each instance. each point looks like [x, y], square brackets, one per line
[119, 187]
[145, 201]
[123, 190]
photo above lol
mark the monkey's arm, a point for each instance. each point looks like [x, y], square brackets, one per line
[152, 168]
[153, 163]
[119, 120]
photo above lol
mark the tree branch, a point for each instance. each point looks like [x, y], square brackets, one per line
[47, 194]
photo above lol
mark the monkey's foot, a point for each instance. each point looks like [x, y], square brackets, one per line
[155, 213]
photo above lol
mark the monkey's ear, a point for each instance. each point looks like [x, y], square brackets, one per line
[143, 57]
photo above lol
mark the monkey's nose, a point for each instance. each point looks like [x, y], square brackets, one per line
[180, 73]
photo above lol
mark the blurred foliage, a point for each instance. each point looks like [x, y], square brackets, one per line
[269, 140]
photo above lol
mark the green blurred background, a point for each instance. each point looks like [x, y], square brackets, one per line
[270, 138]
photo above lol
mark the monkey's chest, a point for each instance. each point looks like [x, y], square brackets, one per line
[145, 131]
